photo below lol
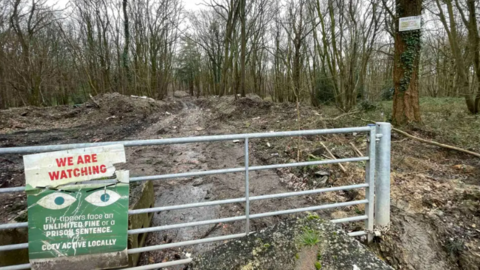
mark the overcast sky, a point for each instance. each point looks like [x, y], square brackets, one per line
[188, 4]
[191, 4]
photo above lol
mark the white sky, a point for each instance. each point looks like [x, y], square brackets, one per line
[188, 4]
[192, 4]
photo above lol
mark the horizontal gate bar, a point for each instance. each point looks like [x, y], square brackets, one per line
[183, 225]
[308, 163]
[143, 267]
[184, 206]
[13, 247]
[204, 204]
[160, 265]
[16, 267]
[185, 243]
[132, 251]
[349, 219]
[307, 192]
[239, 200]
[185, 175]
[223, 171]
[216, 138]
[232, 219]
[12, 189]
[13, 225]
[161, 228]
[306, 209]
[359, 233]
[220, 238]
[242, 169]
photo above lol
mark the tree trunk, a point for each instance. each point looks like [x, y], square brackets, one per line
[474, 37]
[243, 49]
[406, 104]
[127, 39]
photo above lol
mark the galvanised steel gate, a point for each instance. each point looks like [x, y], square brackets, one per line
[377, 186]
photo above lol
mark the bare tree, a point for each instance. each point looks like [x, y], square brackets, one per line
[27, 21]
[349, 30]
[462, 55]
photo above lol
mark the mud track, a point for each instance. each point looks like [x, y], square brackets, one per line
[192, 121]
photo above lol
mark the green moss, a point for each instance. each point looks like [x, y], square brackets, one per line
[312, 216]
[318, 265]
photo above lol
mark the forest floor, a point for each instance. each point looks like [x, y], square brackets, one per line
[435, 191]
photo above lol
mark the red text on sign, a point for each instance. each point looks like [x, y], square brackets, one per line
[77, 172]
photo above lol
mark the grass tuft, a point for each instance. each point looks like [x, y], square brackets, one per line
[309, 237]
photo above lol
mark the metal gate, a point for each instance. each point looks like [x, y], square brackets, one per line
[377, 186]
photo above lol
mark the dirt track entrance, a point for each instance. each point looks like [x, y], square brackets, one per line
[434, 202]
[192, 120]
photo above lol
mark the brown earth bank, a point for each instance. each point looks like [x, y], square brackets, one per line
[435, 192]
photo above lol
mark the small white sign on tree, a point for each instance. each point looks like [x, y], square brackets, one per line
[410, 23]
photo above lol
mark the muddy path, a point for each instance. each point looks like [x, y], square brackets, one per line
[153, 160]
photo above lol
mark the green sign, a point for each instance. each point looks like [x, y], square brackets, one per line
[79, 226]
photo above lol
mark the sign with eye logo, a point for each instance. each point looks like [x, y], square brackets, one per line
[79, 226]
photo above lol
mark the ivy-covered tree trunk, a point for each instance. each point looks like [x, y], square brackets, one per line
[406, 104]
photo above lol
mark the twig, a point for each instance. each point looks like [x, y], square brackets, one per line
[430, 142]
[210, 230]
[330, 119]
[356, 149]
[338, 117]
[436, 143]
[333, 157]
[94, 101]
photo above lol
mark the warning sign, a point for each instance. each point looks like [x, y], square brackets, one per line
[78, 226]
[59, 168]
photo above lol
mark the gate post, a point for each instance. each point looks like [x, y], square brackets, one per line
[382, 187]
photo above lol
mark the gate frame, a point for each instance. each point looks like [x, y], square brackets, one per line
[377, 186]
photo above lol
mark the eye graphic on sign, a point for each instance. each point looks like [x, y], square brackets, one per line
[103, 197]
[57, 201]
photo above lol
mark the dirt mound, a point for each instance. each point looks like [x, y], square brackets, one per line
[129, 106]
[105, 107]
[229, 107]
[252, 102]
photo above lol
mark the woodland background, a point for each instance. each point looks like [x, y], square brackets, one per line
[316, 51]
